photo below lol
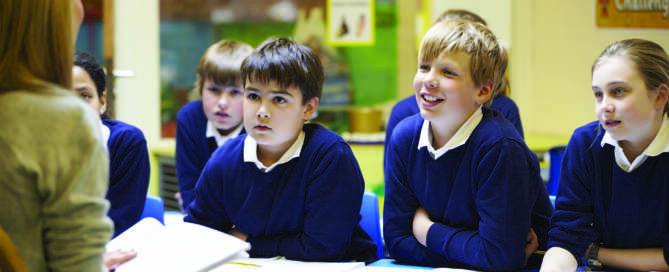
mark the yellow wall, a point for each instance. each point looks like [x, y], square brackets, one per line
[554, 44]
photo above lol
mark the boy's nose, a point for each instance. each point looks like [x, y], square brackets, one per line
[223, 102]
[262, 113]
[430, 84]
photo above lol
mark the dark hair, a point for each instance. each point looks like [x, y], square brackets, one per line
[288, 64]
[90, 65]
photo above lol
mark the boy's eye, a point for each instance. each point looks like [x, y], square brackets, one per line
[424, 67]
[448, 72]
[252, 96]
[213, 89]
[235, 91]
[280, 100]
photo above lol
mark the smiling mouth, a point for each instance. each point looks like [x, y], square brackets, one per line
[222, 114]
[431, 100]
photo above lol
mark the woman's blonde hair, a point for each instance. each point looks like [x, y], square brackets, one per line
[488, 58]
[36, 44]
[650, 59]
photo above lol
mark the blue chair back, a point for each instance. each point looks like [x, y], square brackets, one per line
[370, 220]
[154, 207]
[555, 154]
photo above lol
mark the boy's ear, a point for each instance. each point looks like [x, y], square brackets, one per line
[484, 92]
[309, 108]
[662, 96]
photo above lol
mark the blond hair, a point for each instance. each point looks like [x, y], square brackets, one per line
[221, 63]
[460, 14]
[650, 59]
[36, 44]
[487, 57]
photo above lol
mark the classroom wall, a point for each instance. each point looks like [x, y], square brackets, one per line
[137, 51]
[496, 13]
[554, 44]
[552, 47]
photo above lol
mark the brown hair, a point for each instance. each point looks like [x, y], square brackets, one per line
[488, 59]
[288, 64]
[36, 44]
[649, 58]
[221, 63]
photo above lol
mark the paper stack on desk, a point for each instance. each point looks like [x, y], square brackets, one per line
[177, 247]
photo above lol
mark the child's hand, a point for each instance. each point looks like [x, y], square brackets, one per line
[531, 246]
[235, 232]
[421, 224]
[177, 195]
[113, 259]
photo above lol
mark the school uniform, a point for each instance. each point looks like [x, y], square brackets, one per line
[482, 189]
[304, 207]
[603, 198]
[508, 109]
[196, 141]
[129, 172]
[408, 106]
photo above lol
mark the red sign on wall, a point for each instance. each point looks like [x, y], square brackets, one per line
[632, 13]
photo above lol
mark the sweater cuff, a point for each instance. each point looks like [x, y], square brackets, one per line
[262, 247]
[439, 237]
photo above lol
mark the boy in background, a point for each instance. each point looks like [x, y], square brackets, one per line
[204, 125]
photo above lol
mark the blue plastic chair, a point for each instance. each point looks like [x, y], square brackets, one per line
[370, 220]
[555, 154]
[154, 207]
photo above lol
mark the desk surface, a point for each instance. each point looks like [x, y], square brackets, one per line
[392, 263]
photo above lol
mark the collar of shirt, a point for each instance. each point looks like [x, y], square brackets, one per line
[220, 139]
[251, 155]
[105, 132]
[459, 138]
[659, 145]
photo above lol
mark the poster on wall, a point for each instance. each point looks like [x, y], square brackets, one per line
[350, 22]
[632, 13]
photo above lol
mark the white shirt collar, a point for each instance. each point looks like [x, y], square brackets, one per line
[659, 145]
[251, 155]
[220, 139]
[459, 138]
[105, 132]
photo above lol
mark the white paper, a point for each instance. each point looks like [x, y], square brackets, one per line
[178, 247]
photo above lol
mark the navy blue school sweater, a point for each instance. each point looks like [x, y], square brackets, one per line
[129, 172]
[483, 197]
[599, 202]
[408, 106]
[193, 148]
[305, 209]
